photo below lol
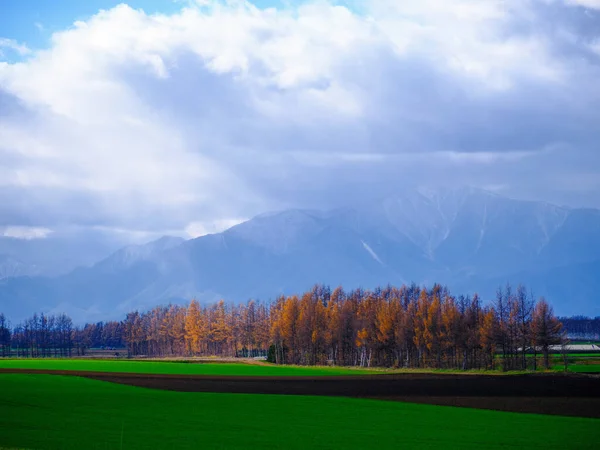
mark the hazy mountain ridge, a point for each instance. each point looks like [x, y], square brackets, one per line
[468, 238]
[57, 254]
[11, 267]
[133, 254]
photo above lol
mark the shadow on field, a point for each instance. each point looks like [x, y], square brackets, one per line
[562, 394]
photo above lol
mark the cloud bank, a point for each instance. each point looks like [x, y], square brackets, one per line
[190, 122]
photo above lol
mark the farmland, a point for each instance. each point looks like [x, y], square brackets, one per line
[71, 412]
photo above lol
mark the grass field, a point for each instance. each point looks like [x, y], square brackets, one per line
[178, 368]
[581, 368]
[244, 369]
[183, 367]
[58, 412]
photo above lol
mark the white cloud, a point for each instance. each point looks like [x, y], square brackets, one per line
[594, 4]
[20, 232]
[223, 110]
[11, 44]
[467, 36]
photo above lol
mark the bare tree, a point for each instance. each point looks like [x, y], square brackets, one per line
[564, 349]
[5, 336]
[546, 329]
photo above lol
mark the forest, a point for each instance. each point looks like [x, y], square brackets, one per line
[407, 326]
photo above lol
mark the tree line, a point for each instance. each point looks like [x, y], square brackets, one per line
[407, 326]
[412, 327]
[47, 335]
[582, 327]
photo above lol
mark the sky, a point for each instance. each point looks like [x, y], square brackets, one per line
[186, 117]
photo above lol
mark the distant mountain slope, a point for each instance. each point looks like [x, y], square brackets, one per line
[56, 254]
[13, 267]
[468, 238]
[135, 254]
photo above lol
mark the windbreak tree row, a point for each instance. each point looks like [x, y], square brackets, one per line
[412, 327]
[581, 327]
[40, 336]
[407, 326]
[47, 335]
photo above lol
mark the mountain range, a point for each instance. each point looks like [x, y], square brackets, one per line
[56, 254]
[470, 239]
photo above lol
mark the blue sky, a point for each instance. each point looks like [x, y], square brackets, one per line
[197, 119]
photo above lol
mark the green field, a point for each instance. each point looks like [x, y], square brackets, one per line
[580, 368]
[55, 412]
[179, 368]
[239, 369]
[182, 367]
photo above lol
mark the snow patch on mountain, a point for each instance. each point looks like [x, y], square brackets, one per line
[372, 253]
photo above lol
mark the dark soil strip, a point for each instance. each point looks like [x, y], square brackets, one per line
[576, 395]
